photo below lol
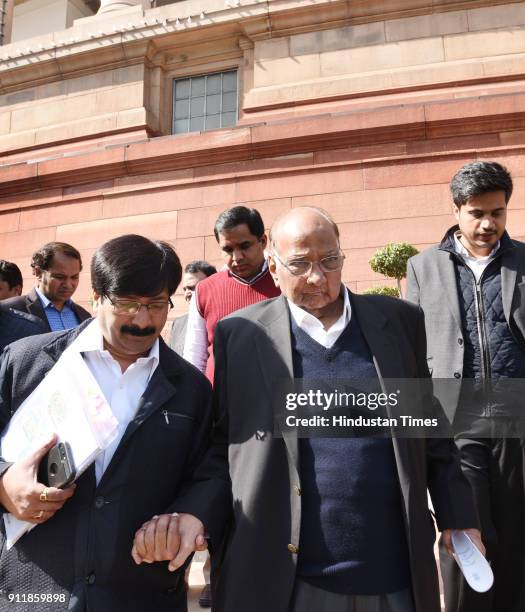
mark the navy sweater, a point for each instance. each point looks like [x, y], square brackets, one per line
[353, 538]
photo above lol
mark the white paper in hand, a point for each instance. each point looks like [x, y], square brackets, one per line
[67, 402]
[472, 563]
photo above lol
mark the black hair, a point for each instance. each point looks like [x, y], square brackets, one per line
[10, 273]
[135, 265]
[232, 217]
[200, 265]
[43, 258]
[480, 177]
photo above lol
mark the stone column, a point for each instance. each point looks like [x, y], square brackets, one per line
[108, 6]
[6, 6]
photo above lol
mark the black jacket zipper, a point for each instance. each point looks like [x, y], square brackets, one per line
[486, 372]
[482, 332]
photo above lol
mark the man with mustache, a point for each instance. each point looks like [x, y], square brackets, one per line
[80, 550]
[57, 267]
[471, 289]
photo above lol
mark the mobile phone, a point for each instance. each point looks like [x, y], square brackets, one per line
[57, 468]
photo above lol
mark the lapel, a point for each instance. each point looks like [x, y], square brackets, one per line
[34, 307]
[509, 265]
[274, 355]
[447, 275]
[80, 313]
[158, 392]
[388, 360]
[383, 345]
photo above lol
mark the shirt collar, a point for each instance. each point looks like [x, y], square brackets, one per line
[301, 316]
[254, 278]
[46, 301]
[461, 250]
[91, 339]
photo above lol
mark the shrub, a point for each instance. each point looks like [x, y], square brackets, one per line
[383, 290]
[391, 261]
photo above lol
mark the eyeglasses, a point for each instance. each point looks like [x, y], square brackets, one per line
[301, 267]
[132, 307]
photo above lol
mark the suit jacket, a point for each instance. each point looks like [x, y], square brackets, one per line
[31, 303]
[83, 551]
[253, 353]
[178, 334]
[431, 283]
[15, 325]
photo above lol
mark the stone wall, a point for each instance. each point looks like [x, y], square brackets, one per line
[74, 108]
[390, 55]
[367, 114]
[376, 194]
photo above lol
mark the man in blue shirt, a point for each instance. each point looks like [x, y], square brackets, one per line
[57, 267]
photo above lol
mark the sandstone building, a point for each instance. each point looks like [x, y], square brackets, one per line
[133, 118]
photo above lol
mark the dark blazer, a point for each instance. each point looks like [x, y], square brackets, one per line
[31, 303]
[15, 325]
[83, 552]
[431, 284]
[253, 353]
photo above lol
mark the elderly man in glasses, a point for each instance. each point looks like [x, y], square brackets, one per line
[79, 552]
[325, 523]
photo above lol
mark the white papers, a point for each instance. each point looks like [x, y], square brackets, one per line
[67, 402]
[472, 563]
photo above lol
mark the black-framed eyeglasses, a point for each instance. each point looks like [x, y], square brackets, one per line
[132, 307]
[302, 267]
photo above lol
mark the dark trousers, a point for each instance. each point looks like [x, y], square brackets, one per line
[495, 470]
[307, 598]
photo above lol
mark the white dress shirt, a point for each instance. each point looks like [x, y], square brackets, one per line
[315, 329]
[196, 340]
[476, 264]
[121, 390]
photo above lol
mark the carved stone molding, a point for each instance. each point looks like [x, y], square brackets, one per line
[418, 122]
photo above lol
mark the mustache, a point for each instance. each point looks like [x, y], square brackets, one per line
[134, 330]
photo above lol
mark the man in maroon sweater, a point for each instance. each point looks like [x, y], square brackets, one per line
[245, 280]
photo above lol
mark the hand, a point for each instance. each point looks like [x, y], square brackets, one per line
[473, 534]
[20, 491]
[168, 537]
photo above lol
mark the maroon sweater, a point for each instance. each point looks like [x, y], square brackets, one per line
[221, 294]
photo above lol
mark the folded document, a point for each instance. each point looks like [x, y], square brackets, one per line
[67, 402]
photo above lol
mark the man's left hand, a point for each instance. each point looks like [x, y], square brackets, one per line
[473, 534]
[168, 537]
